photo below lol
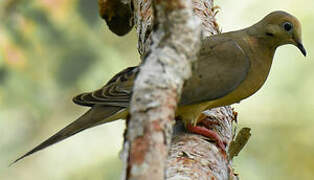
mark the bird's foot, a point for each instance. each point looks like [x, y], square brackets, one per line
[207, 133]
[205, 129]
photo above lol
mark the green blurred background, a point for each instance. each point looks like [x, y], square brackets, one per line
[51, 50]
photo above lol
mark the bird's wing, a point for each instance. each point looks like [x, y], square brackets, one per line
[221, 66]
[117, 92]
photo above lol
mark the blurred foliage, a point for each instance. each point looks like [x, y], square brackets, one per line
[51, 50]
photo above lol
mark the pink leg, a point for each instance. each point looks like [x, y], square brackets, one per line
[207, 133]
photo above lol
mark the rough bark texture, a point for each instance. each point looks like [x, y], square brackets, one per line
[195, 157]
[167, 64]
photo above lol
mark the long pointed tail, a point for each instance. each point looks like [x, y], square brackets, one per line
[93, 117]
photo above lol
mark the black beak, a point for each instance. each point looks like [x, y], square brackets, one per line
[301, 48]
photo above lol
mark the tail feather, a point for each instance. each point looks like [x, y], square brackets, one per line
[93, 117]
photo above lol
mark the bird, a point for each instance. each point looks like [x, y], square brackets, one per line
[230, 67]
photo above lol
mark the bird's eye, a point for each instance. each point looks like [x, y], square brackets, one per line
[287, 26]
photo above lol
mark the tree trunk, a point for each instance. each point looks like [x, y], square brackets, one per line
[167, 64]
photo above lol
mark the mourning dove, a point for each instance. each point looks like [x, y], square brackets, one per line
[230, 67]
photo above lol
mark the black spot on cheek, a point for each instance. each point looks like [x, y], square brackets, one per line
[269, 34]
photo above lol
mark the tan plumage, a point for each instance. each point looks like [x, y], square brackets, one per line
[230, 67]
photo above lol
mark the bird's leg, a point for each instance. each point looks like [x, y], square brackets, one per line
[207, 133]
[204, 128]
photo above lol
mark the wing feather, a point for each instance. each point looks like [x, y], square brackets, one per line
[222, 65]
[117, 92]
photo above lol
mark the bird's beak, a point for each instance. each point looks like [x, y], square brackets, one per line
[301, 48]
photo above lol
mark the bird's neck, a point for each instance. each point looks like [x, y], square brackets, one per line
[259, 44]
[264, 41]
[260, 55]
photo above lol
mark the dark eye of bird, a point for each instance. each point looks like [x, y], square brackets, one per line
[287, 26]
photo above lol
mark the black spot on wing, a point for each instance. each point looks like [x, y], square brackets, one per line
[116, 92]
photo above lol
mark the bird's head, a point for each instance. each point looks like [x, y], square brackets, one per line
[282, 28]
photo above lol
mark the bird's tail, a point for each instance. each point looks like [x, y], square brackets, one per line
[93, 117]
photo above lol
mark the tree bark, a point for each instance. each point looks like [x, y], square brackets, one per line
[195, 157]
[167, 64]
